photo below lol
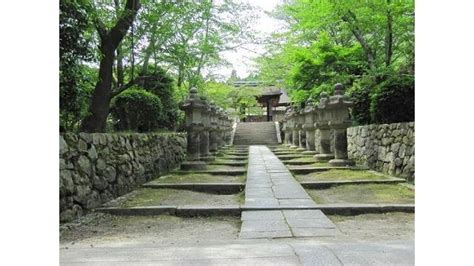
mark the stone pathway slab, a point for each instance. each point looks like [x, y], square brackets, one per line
[270, 184]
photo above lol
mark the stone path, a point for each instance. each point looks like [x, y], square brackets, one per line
[270, 184]
[257, 252]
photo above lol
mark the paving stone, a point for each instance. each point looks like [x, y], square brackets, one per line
[301, 214]
[270, 184]
[312, 232]
[315, 255]
[310, 223]
[262, 215]
[297, 202]
[265, 234]
[264, 225]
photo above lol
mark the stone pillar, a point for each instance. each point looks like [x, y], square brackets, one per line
[204, 136]
[309, 128]
[322, 124]
[286, 127]
[228, 132]
[338, 106]
[213, 129]
[295, 134]
[301, 132]
[193, 108]
[220, 129]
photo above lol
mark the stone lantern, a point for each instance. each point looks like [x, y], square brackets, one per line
[220, 128]
[228, 128]
[322, 124]
[193, 107]
[338, 106]
[204, 136]
[213, 128]
[287, 127]
[294, 126]
[301, 132]
[308, 127]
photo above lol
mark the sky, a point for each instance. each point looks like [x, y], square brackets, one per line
[242, 58]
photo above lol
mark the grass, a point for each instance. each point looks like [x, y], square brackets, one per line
[148, 197]
[303, 159]
[156, 197]
[370, 193]
[225, 167]
[241, 197]
[314, 164]
[198, 178]
[341, 174]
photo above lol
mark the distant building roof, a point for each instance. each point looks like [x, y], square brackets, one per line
[267, 90]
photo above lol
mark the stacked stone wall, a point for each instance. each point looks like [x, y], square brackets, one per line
[388, 148]
[96, 168]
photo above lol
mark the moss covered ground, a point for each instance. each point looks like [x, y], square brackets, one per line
[367, 193]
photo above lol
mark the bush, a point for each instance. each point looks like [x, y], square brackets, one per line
[360, 93]
[137, 110]
[158, 82]
[394, 100]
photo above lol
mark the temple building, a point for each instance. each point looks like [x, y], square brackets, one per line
[273, 101]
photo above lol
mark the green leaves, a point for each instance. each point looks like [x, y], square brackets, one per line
[350, 42]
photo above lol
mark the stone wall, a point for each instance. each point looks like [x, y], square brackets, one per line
[95, 168]
[388, 148]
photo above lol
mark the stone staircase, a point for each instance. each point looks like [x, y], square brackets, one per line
[256, 133]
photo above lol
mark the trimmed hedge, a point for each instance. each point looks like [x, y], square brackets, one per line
[137, 110]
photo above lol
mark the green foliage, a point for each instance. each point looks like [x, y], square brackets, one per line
[74, 47]
[244, 101]
[361, 93]
[137, 110]
[185, 38]
[394, 100]
[219, 93]
[364, 45]
[161, 84]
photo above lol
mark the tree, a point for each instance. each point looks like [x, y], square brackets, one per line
[109, 42]
[357, 43]
[74, 48]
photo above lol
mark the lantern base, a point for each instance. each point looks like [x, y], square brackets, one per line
[193, 165]
[324, 157]
[341, 162]
[208, 158]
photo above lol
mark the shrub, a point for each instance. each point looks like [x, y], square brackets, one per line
[360, 93]
[158, 82]
[394, 100]
[137, 110]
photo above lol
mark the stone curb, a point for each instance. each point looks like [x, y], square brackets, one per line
[215, 172]
[230, 163]
[220, 188]
[293, 156]
[327, 184]
[190, 211]
[309, 170]
[290, 163]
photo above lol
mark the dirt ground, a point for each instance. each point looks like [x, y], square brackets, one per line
[97, 229]
[388, 226]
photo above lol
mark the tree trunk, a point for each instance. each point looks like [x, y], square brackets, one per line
[110, 40]
[360, 37]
